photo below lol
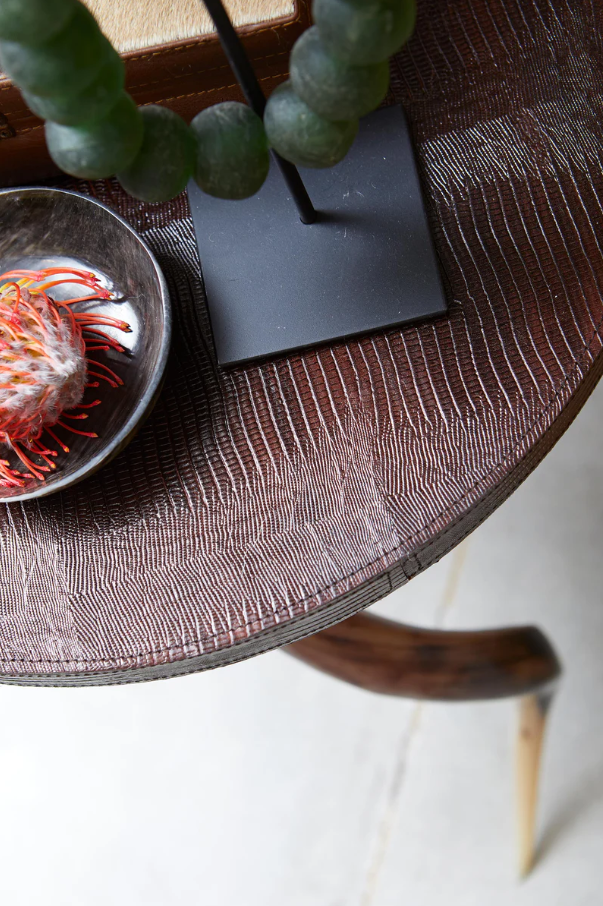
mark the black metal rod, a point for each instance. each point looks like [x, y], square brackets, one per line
[246, 77]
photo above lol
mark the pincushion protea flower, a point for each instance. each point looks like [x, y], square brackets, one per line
[45, 364]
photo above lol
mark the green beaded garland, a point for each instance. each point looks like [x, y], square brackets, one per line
[232, 157]
[166, 159]
[71, 76]
[333, 89]
[361, 32]
[91, 104]
[34, 21]
[62, 66]
[99, 149]
[300, 135]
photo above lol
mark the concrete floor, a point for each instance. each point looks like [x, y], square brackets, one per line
[268, 784]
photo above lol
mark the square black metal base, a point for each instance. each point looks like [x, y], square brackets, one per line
[274, 284]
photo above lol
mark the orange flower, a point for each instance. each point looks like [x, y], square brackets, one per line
[45, 348]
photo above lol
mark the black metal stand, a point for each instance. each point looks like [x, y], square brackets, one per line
[366, 264]
[240, 65]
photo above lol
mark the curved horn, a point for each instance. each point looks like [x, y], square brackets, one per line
[395, 659]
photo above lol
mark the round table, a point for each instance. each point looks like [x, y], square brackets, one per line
[263, 504]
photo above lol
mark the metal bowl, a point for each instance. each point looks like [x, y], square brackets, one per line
[48, 228]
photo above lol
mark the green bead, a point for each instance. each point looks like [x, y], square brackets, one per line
[166, 159]
[91, 104]
[99, 149]
[62, 66]
[300, 135]
[333, 89]
[361, 32]
[232, 157]
[34, 21]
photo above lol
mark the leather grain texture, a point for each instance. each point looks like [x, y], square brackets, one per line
[261, 505]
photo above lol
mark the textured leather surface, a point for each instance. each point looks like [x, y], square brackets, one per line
[258, 506]
[186, 76]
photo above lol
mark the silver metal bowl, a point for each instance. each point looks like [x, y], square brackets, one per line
[49, 228]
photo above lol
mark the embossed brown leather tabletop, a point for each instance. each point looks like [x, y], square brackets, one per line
[260, 505]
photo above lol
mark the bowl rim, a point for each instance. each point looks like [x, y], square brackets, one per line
[149, 396]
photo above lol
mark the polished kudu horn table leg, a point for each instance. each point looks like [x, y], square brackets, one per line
[533, 713]
[393, 659]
